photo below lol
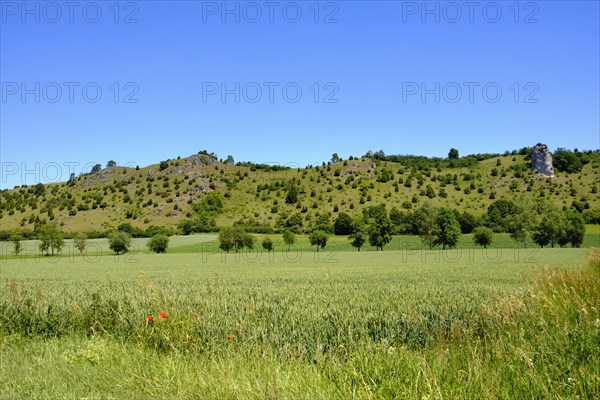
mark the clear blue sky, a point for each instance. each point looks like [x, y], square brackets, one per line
[370, 60]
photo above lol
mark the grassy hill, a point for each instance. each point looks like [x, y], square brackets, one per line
[164, 194]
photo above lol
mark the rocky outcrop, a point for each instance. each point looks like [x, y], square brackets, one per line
[541, 160]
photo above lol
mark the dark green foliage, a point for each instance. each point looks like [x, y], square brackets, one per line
[568, 161]
[212, 204]
[16, 237]
[397, 218]
[323, 223]
[385, 175]
[547, 231]
[235, 238]
[499, 214]
[158, 243]
[252, 225]
[291, 196]
[449, 228]
[267, 244]
[574, 229]
[562, 228]
[468, 222]
[592, 216]
[203, 222]
[153, 230]
[429, 192]
[289, 238]
[453, 154]
[319, 239]
[483, 236]
[426, 222]
[380, 228]
[39, 189]
[81, 242]
[130, 230]
[51, 239]
[292, 222]
[359, 236]
[119, 242]
[343, 224]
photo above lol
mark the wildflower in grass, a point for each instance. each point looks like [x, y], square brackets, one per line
[162, 315]
[75, 308]
[68, 317]
[228, 337]
[149, 318]
[194, 314]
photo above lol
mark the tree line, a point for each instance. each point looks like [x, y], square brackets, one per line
[52, 240]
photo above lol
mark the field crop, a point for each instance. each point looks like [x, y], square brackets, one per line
[466, 323]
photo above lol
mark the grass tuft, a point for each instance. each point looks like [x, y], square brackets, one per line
[594, 260]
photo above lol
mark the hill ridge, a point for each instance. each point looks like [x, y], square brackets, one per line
[166, 193]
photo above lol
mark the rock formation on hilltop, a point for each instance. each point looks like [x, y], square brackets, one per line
[541, 160]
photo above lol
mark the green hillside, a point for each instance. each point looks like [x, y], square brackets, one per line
[166, 193]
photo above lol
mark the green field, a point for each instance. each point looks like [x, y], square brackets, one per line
[466, 323]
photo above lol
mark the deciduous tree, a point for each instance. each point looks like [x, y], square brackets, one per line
[319, 239]
[426, 220]
[81, 242]
[16, 238]
[158, 243]
[289, 238]
[51, 239]
[267, 244]
[343, 224]
[380, 228]
[449, 228]
[119, 242]
[483, 236]
[235, 238]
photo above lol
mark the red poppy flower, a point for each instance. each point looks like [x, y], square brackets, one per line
[194, 314]
[228, 337]
[162, 315]
[149, 318]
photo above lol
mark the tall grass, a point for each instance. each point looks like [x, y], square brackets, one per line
[390, 333]
[594, 260]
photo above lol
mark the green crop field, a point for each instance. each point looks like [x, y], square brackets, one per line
[463, 323]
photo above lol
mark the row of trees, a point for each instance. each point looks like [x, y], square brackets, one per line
[437, 226]
[51, 241]
[539, 221]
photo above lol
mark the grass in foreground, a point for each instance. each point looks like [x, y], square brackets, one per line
[371, 326]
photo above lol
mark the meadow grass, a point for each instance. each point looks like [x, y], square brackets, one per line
[467, 323]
